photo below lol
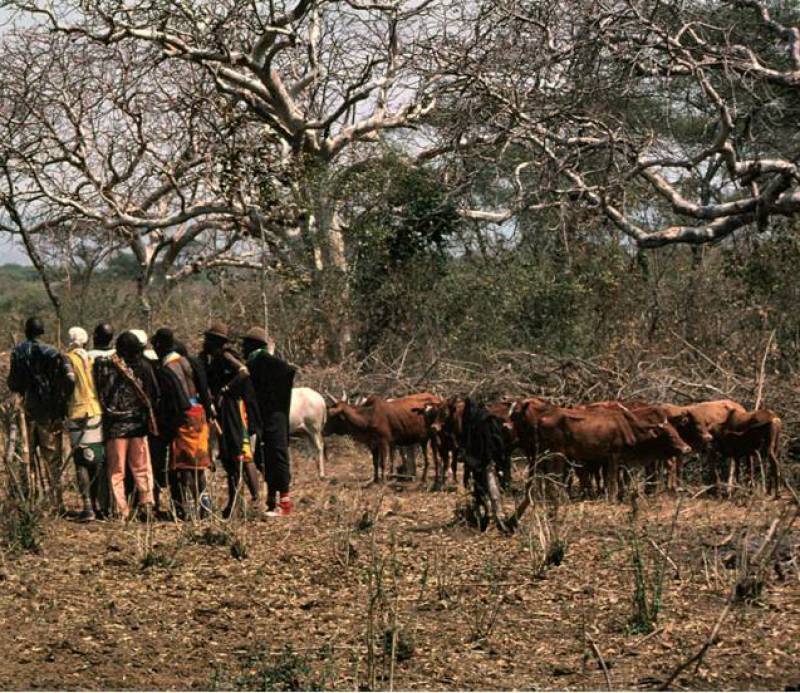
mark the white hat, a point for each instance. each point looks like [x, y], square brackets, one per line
[141, 335]
[77, 337]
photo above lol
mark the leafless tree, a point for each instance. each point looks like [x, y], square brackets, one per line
[324, 81]
[106, 148]
[674, 120]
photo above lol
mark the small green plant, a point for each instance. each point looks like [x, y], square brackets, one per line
[239, 549]
[156, 558]
[211, 536]
[649, 574]
[400, 642]
[647, 592]
[286, 670]
[484, 611]
[22, 525]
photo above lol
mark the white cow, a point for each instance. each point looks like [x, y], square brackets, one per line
[307, 416]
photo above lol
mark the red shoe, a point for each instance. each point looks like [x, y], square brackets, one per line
[284, 507]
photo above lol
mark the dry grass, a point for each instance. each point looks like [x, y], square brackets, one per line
[375, 586]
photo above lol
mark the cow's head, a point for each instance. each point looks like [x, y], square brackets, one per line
[692, 430]
[338, 422]
[664, 432]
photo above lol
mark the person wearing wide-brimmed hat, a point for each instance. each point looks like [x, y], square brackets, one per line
[236, 410]
[272, 379]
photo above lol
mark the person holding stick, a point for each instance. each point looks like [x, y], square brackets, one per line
[41, 375]
[237, 412]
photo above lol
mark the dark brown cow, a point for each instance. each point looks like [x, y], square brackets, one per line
[746, 434]
[381, 425]
[445, 423]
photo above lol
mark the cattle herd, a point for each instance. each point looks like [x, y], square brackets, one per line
[599, 445]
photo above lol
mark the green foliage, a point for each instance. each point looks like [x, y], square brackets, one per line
[284, 671]
[397, 245]
[647, 592]
[22, 525]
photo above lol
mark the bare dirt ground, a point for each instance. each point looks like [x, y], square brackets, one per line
[107, 606]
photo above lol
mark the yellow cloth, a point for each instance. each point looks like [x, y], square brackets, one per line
[84, 400]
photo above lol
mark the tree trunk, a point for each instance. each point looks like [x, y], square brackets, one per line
[326, 254]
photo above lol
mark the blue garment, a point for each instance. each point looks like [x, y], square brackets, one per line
[41, 375]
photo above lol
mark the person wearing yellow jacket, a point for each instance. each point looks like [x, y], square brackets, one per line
[85, 426]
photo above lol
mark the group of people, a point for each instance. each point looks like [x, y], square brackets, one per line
[141, 420]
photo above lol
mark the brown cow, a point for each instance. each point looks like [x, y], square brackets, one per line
[691, 427]
[381, 425]
[746, 434]
[605, 435]
[700, 425]
[444, 423]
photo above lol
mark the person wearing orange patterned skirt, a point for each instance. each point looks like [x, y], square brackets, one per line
[184, 427]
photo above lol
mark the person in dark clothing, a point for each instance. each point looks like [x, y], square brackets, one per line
[272, 379]
[129, 396]
[200, 378]
[184, 425]
[42, 376]
[102, 339]
[237, 412]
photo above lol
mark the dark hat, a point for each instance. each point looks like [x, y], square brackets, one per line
[256, 334]
[218, 329]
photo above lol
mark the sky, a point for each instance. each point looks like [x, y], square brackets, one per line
[12, 251]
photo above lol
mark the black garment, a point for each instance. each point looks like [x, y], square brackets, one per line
[274, 451]
[273, 379]
[125, 415]
[230, 386]
[174, 401]
[229, 383]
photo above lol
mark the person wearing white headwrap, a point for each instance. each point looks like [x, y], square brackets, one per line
[149, 354]
[84, 423]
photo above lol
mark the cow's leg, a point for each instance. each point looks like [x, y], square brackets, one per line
[425, 459]
[732, 465]
[319, 445]
[376, 454]
[612, 479]
[773, 483]
[387, 452]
